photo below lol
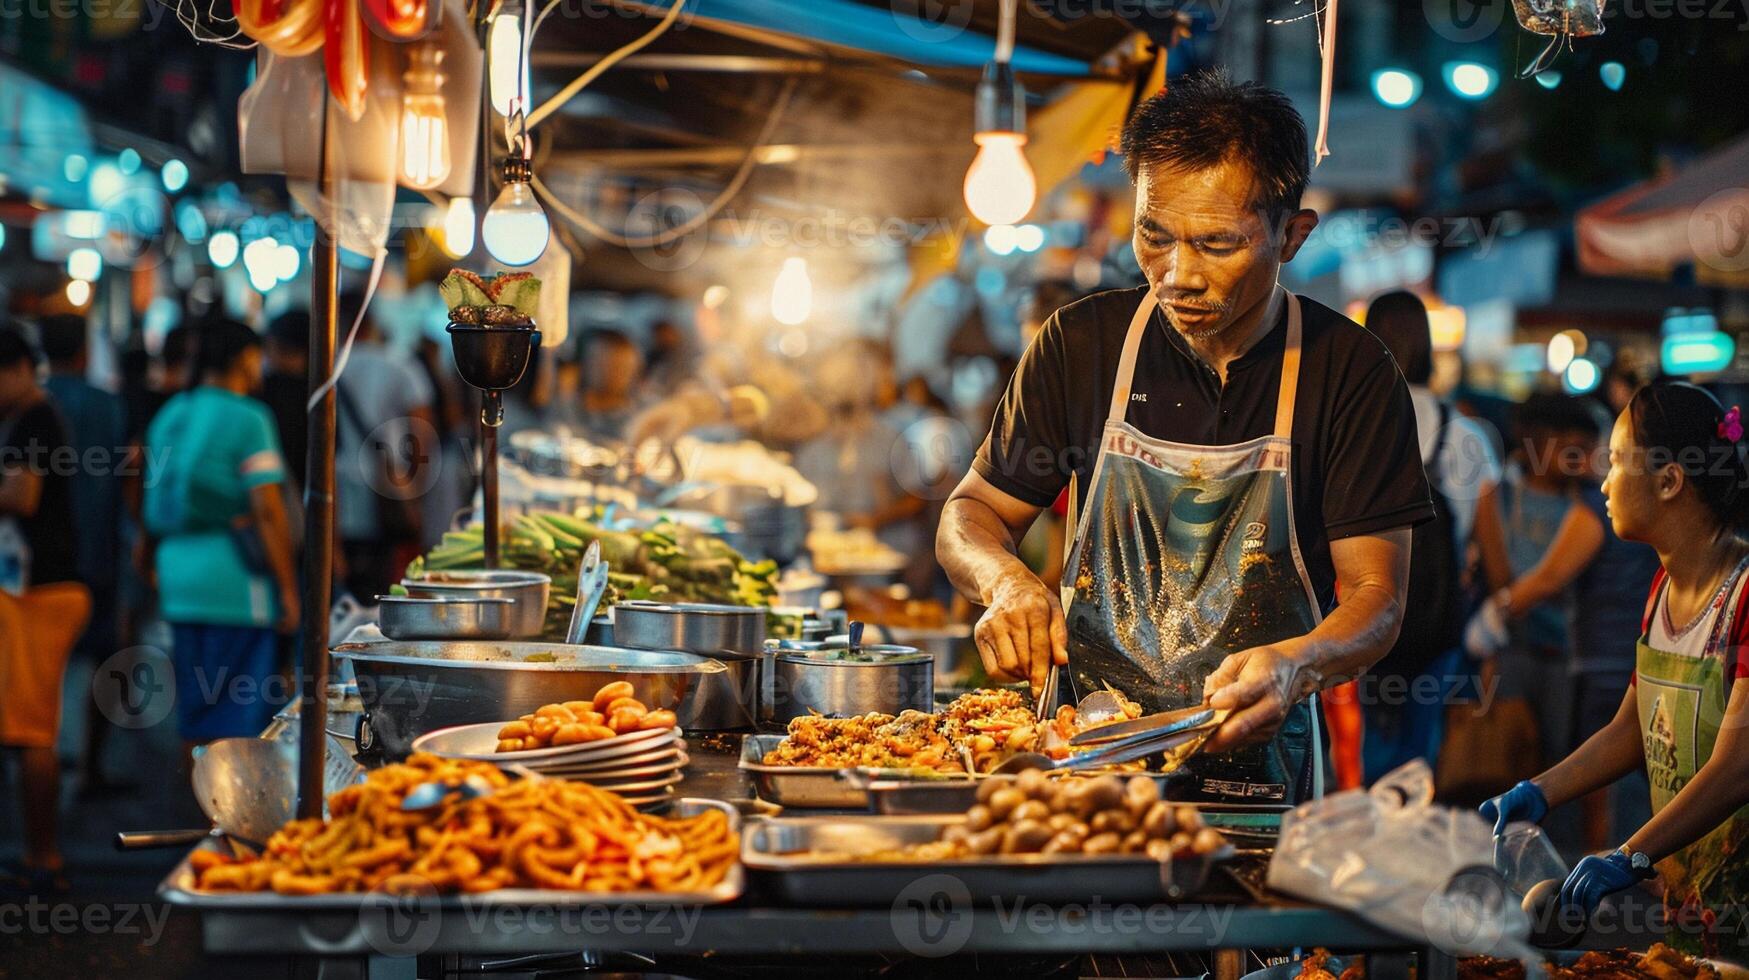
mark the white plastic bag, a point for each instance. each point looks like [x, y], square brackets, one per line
[1392, 856]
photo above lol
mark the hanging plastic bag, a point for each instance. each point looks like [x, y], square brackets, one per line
[1392, 856]
[1564, 20]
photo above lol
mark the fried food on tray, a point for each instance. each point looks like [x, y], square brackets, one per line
[1035, 814]
[985, 726]
[530, 833]
[1658, 963]
[1317, 967]
[612, 712]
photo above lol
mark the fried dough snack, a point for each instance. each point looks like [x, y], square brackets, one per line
[613, 712]
[530, 833]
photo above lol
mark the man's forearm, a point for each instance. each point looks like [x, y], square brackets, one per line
[974, 547]
[1356, 634]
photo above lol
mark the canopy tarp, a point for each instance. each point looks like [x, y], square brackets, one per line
[1698, 215]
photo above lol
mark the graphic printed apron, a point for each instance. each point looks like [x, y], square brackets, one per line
[1682, 703]
[1182, 555]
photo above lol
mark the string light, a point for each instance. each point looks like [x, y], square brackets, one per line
[425, 161]
[1000, 187]
[792, 292]
[458, 226]
[515, 230]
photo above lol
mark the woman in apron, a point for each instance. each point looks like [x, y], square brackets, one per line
[1678, 481]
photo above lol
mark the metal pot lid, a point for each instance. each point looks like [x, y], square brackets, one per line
[493, 578]
[838, 655]
[686, 608]
[516, 655]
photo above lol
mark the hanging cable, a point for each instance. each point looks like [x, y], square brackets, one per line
[1005, 33]
[744, 171]
[595, 71]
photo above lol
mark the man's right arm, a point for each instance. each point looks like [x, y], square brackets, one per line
[1022, 630]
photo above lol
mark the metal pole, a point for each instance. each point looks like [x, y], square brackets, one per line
[318, 509]
[491, 416]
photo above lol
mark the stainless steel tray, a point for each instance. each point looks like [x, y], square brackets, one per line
[178, 887]
[810, 861]
[943, 797]
[813, 787]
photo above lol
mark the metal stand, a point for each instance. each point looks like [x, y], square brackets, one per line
[318, 568]
[491, 417]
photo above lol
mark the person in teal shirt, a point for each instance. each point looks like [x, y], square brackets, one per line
[223, 545]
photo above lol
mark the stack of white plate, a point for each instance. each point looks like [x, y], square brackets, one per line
[643, 767]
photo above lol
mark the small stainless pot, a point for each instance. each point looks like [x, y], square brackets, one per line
[699, 627]
[528, 590]
[406, 617]
[834, 681]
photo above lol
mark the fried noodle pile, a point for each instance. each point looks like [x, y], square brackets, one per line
[529, 833]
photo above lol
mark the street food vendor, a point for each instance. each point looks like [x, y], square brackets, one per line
[1678, 481]
[1239, 456]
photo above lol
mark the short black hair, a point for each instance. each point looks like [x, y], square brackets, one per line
[219, 344]
[15, 346]
[291, 328]
[1204, 119]
[178, 345]
[62, 336]
[1399, 318]
[1552, 413]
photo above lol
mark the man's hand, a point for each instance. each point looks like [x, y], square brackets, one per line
[1023, 631]
[1258, 686]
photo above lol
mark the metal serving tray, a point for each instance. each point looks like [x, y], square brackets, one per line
[810, 861]
[178, 887]
[813, 787]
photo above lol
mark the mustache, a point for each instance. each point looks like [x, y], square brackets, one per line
[1201, 306]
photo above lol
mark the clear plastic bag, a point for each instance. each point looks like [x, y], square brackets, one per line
[1392, 856]
[1525, 856]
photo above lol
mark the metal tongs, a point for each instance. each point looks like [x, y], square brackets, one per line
[591, 584]
[1149, 727]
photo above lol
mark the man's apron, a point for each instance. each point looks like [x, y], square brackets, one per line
[1183, 555]
[1682, 703]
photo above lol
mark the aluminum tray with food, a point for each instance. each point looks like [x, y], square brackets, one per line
[179, 887]
[785, 851]
[1047, 840]
[433, 827]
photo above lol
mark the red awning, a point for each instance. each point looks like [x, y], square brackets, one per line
[1697, 215]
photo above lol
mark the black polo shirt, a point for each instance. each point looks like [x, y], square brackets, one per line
[1356, 459]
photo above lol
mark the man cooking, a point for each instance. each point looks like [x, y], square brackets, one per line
[1239, 456]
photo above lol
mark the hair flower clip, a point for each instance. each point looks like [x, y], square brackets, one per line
[1731, 426]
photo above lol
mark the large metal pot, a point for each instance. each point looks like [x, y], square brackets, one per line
[408, 689]
[528, 589]
[734, 635]
[698, 627]
[839, 682]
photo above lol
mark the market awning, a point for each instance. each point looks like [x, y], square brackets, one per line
[1699, 215]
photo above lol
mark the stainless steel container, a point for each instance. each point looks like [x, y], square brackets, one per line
[699, 627]
[410, 688]
[838, 682]
[528, 589]
[406, 617]
[957, 666]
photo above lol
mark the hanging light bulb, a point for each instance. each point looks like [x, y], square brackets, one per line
[506, 65]
[515, 231]
[999, 187]
[424, 128]
[458, 226]
[792, 292]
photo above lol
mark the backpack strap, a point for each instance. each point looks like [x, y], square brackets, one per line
[1658, 579]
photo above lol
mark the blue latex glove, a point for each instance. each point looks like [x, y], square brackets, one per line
[1522, 802]
[1596, 877]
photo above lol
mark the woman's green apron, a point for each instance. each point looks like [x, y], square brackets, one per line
[1184, 554]
[1682, 702]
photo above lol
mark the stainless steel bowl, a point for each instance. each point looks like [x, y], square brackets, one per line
[528, 589]
[699, 627]
[838, 682]
[406, 617]
[410, 688]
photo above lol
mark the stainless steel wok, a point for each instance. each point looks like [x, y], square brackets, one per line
[410, 688]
